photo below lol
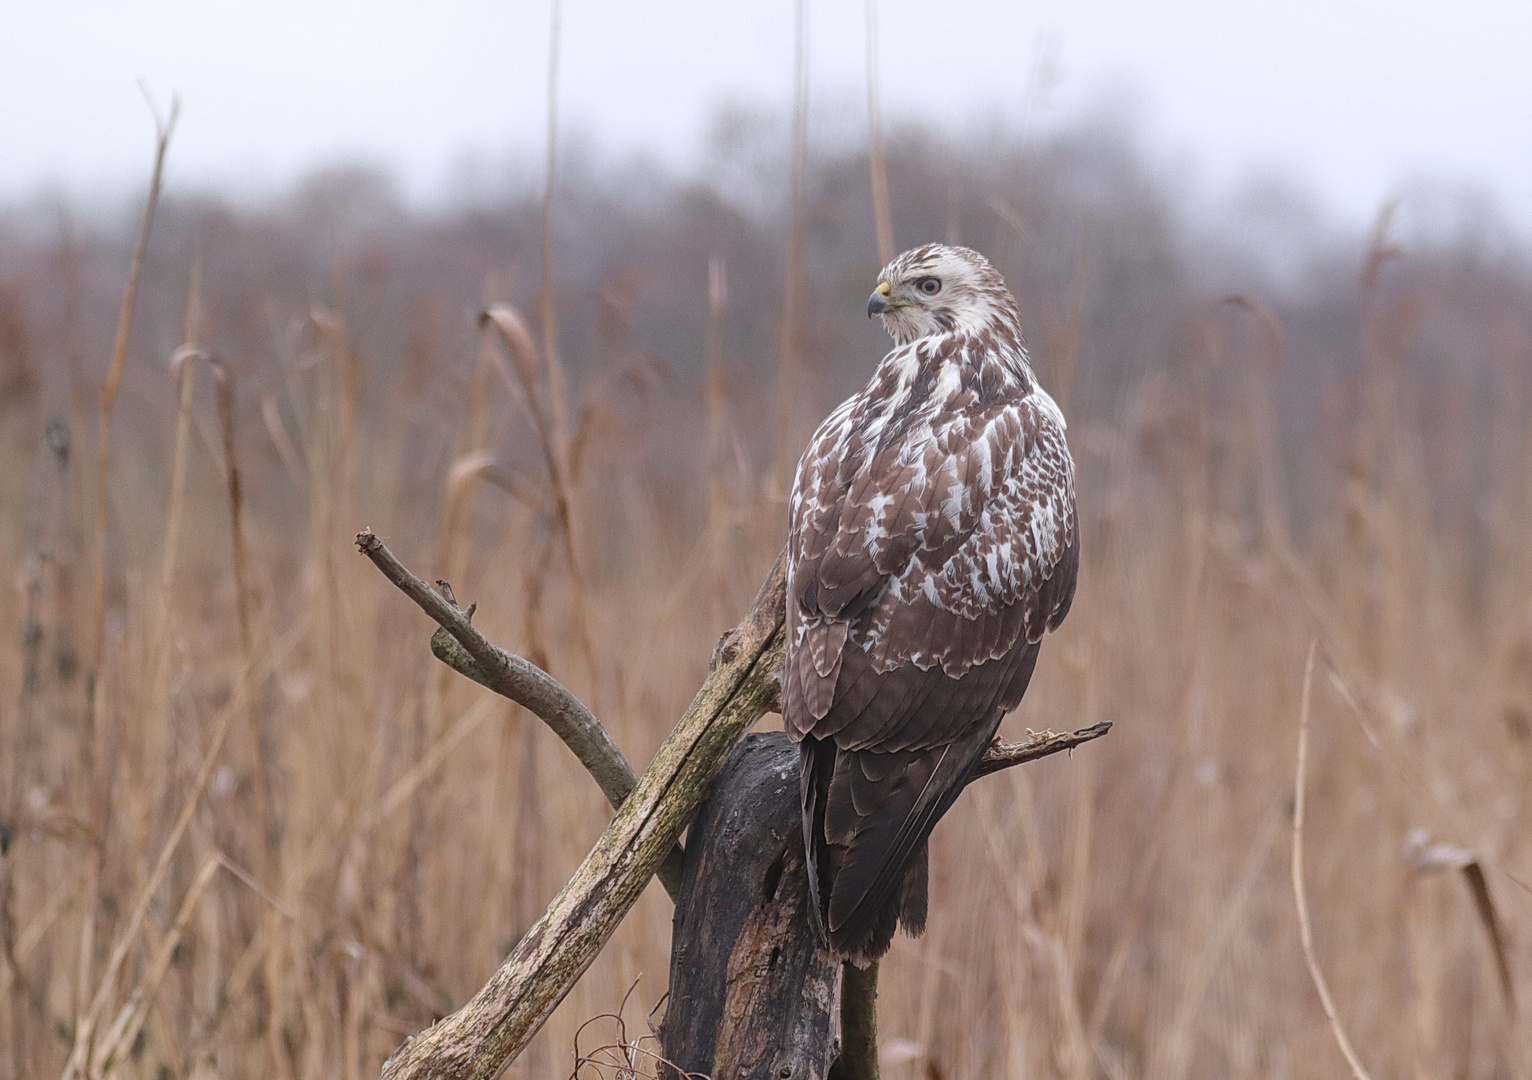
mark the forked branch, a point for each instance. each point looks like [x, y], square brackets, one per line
[480, 1038]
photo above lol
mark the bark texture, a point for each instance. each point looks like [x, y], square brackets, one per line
[752, 992]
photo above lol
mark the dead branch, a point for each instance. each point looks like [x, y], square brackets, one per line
[479, 1039]
[515, 678]
[511, 676]
[1002, 754]
[460, 645]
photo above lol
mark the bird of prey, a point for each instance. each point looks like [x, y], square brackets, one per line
[933, 541]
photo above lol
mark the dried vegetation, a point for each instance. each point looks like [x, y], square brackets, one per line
[261, 832]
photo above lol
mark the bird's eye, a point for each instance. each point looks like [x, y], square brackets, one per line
[929, 285]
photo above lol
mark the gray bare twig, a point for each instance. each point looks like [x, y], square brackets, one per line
[461, 646]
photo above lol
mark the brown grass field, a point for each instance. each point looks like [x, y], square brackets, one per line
[252, 829]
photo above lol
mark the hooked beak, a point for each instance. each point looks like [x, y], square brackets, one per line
[878, 303]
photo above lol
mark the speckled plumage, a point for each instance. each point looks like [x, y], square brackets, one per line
[933, 541]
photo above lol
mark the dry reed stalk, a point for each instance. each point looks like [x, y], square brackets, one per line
[555, 373]
[1383, 734]
[474, 459]
[790, 379]
[1181, 1043]
[1064, 343]
[1428, 857]
[267, 848]
[426, 765]
[130, 1018]
[334, 324]
[327, 490]
[281, 441]
[43, 921]
[163, 130]
[1300, 893]
[85, 1050]
[1075, 902]
[224, 380]
[1340, 651]
[343, 390]
[183, 364]
[513, 334]
[882, 214]
[185, 376]
[84, 1033]
[1425, 972]
[1373, 495]
[1326, 607]
[713, 389]
[95, 704]
[1195, 604]
[1036, 921]
[152, 745]
[1261, 433]
[224, 377]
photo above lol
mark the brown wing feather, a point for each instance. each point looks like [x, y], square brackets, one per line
[928, 554]
[878, 809]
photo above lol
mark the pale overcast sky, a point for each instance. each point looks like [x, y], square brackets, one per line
[1352, 98]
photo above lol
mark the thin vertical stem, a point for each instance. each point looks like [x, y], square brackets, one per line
[717, 295]
[185, 373]
[792, 296]
[226, 401]
[94, 696]
[559, 457]
[550, 171]
[882, 214]
[1300, 893]
[163, 130]
[153, 744]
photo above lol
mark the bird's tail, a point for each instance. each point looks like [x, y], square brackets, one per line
[868, 867]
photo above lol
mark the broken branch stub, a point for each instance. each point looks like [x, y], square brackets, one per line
[1002, 754]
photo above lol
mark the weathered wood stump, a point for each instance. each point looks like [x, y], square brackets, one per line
[752, 992]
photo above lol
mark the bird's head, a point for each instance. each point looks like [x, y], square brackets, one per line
[936, 289]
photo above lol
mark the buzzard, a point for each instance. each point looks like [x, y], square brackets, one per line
[933, 540]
